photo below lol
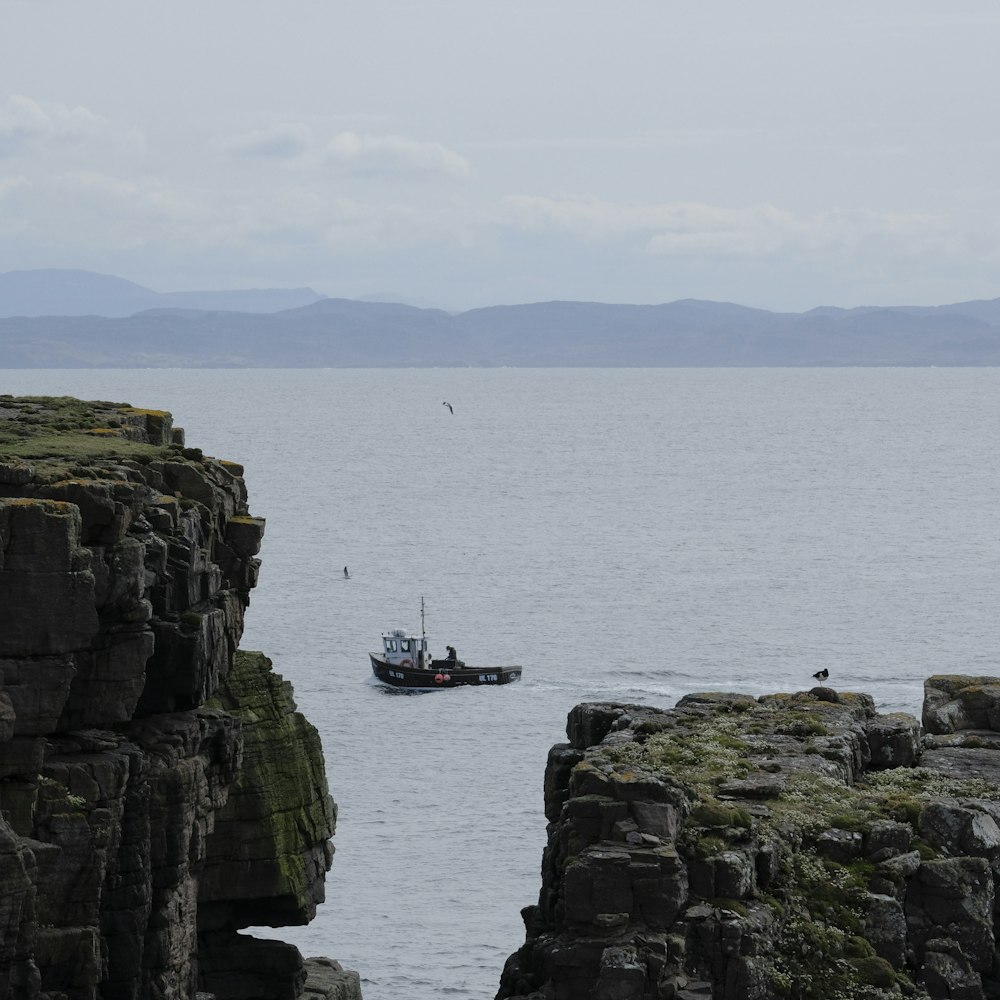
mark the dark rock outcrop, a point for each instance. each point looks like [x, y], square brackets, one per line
[144, 819]
[799, 846]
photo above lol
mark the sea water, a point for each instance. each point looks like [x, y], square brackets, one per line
[625, 535]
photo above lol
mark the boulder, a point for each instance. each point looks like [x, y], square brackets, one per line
[947, 974]
[327, 979]
[955, 702]
[893, 741]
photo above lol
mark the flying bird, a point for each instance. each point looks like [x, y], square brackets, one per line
[450, 408]
[821, 675]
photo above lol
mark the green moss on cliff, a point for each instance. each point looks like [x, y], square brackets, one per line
[714, 814]
[63, 431]
[697, 757]
[279, 811]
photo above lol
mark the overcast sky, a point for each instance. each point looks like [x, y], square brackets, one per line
[460, 153]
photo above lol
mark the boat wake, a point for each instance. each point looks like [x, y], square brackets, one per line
[381, 688]
[625, 690]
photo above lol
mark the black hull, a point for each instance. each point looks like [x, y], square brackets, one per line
[439, 676]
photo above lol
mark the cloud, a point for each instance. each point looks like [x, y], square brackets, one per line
[700, 229]
[27, 125]
[88, 211]
[62, 193]
[393, 154]
[279, 142]
[349, 153]
[8, 185]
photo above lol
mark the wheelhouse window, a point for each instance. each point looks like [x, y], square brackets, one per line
[404, 645]
[390, 645]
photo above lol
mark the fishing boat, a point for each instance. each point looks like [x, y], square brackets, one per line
[405, 662]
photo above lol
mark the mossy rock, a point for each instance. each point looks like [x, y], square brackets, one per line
[709, 847]
[718, 815]
[803, 726]
[851, 822]
[649, 727]
[875, 971]
[732, 905]
[858, 947]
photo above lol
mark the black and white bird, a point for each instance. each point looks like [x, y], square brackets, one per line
[821, 675]
[450, 408]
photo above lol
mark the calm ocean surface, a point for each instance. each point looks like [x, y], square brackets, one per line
[630, 535]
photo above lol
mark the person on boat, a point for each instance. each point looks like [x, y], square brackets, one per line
[452, 659]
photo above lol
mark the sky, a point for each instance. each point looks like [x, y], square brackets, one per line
[458, 153]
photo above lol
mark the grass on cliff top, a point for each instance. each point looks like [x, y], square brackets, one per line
[68, 429]
[77, 446]
[728, 745]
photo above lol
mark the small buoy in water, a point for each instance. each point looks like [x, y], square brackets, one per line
[438, 678]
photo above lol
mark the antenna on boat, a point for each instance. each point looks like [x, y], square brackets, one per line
[423, 630]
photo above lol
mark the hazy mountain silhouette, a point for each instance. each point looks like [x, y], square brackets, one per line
[351, 333]
[56, 292]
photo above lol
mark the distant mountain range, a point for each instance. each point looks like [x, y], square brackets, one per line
[253, 329]
[83, 293]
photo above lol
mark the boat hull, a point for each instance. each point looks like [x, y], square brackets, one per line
[441, 676]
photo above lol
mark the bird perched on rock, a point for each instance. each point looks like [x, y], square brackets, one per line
[821, 675]
[450, 409]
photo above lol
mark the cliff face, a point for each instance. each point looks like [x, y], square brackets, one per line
[791, 846]
[158, 789]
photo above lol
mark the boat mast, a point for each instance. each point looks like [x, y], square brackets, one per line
[423, 630]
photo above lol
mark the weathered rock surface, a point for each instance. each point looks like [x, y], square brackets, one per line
[790, 846]
[158, 790]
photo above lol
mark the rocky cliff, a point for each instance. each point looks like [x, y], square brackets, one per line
[790, 846]
[159, 792]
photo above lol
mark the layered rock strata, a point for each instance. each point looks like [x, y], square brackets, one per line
[789, 846]
[145, 818]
